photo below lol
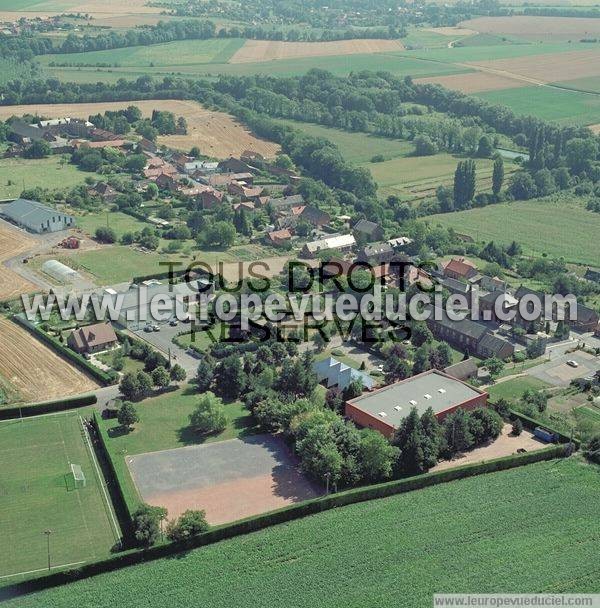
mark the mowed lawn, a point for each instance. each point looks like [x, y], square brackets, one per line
[558, 226]
[513, 389]
[18, 174]
[35, 495]
[119, 222]
[178, 53]
[164, 424]
[528, 530]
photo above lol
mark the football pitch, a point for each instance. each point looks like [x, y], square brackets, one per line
[38, 494]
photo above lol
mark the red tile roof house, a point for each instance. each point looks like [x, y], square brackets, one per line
[460, 268]
[93, 338]
[279, 237]
[384, 409]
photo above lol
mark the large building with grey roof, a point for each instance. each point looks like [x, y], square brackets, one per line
[36, 217]
[384, 409]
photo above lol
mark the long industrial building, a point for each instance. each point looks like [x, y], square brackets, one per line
[384, 409]
[36, 217]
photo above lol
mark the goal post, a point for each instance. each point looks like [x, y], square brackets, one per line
[79, 480]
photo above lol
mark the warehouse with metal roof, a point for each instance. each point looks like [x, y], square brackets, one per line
[36, 217]
[384, 409]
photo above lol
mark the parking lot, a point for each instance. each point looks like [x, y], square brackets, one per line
[228, 479]
[558, 373]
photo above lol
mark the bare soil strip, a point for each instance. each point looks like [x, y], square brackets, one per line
[37, 372]
[266, 50]
[215, 133]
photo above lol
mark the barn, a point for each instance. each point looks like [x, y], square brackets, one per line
[36, 217]
[384, 409]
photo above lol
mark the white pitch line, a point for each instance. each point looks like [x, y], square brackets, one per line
[42, 570]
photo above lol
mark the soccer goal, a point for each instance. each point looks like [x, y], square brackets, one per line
[78, 476]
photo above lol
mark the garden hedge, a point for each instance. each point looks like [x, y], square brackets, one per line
[60, 405]
[286, 514]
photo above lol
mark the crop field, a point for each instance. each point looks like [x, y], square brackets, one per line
[558, 105]
[414, 178]
[399, 64]
[474, 82]
[12, 243]
[484, 534]
[537, 28]
[36, 371]
[172, 54]
[269, 50]
[540, 226]
[215, 133]
[36, 495]
[18, 174]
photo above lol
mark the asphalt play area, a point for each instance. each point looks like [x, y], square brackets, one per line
[228, 479]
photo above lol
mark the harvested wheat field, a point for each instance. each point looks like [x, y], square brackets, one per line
[94, 8]
[537, 28]
[451, 31]
[12, 243]
[473, 82]
[36, 372]
[553, 67]
[268, 50]
[215, 133]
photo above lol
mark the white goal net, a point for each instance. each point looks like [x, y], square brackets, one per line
[78, 476]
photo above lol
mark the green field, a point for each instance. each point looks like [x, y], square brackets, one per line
[163, 425]
[174, 54]
[528, 530]
[356, 147]
[592, 83]
[540, 226]
[549, 103]
[119, 222]
[400, 65]
[35, 495]
[513, 389]
[18, 174]
[415, 177]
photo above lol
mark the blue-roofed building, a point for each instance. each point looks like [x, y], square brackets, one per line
[332, 372]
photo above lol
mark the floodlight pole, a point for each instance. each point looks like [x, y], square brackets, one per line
[47, 533]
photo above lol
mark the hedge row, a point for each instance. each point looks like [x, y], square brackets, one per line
[116, 489]
[60, 405]
[310, 507]
[98, 374]
[530, 424]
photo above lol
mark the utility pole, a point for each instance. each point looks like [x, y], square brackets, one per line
[47, 533]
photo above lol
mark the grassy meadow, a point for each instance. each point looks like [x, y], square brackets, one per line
[513, 389]
[484, 534]
[54, 172]
[541, 226]
[36, 495]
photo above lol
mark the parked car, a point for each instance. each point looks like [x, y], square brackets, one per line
[572, 363]
[173, 322]
[156, 328]
[148, 329]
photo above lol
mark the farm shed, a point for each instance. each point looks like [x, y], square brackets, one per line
[384, 409]
[36, 217]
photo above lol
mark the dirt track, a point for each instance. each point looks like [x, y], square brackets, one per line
[215, 133]
[35, 371]
[12, 243]
[267, 50]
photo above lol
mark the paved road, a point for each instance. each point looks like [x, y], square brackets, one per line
[557, 373]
